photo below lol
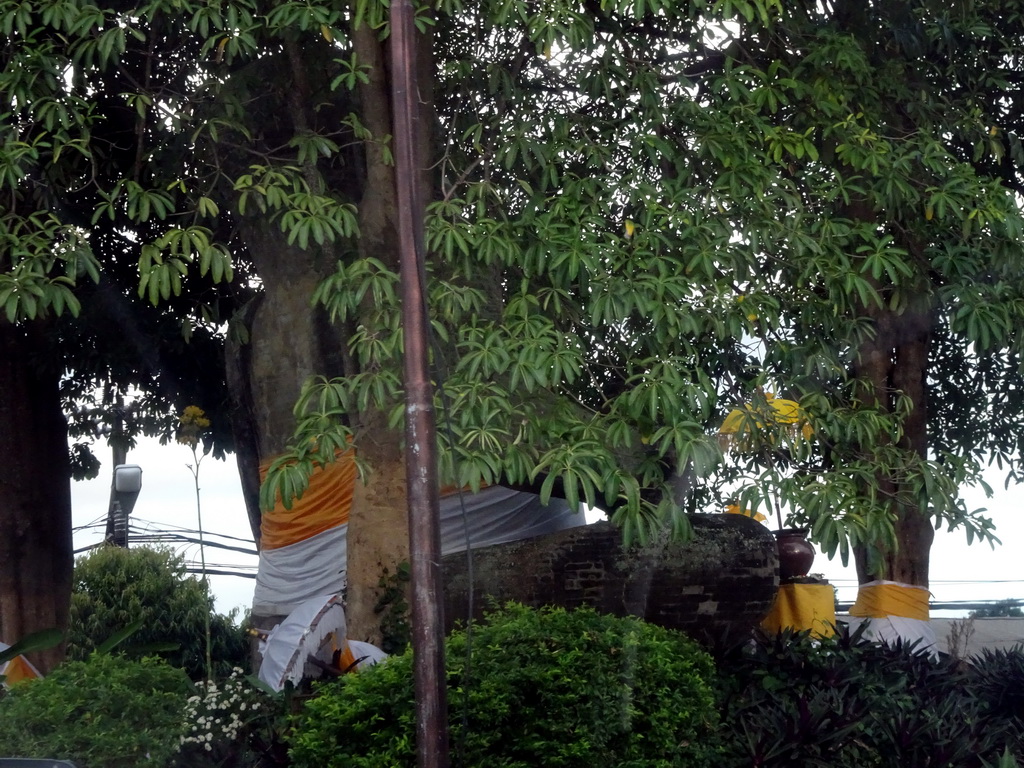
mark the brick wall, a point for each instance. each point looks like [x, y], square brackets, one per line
[721, 581]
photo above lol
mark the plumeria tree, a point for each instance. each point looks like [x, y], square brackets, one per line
[640, 214]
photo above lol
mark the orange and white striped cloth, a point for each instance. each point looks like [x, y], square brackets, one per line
[303, 551]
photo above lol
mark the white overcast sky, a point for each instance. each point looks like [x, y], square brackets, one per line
[167, 500]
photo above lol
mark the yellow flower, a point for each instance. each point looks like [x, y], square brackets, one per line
[194, 415]
[192, 423]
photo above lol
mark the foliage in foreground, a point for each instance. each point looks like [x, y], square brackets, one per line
[112, 712]
[115, 587]
[793, 700]
[234, 724]
[106, 712]
[553, 688]
[544, 687]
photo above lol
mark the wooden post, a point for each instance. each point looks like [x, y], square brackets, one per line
[420, 432]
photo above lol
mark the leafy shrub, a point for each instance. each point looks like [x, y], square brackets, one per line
[996, 679]
[114, 587]
[547, 687]
[794, 700]
[107, 712]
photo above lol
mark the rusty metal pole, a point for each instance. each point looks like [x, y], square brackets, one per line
[420, 432]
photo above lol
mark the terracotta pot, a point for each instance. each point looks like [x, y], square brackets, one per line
[796, 554]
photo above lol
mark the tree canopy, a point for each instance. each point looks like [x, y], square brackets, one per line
[66, 143]
[643, 214]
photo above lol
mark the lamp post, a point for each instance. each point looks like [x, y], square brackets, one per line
[124, 492]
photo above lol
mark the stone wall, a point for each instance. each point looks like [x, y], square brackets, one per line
[722, 581]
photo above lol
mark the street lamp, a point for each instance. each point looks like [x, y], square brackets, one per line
[125, 492]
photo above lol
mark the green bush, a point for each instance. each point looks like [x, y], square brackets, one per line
[548, 687]
[107, 712]
[795, 700]
[114, 587]
[997, 680]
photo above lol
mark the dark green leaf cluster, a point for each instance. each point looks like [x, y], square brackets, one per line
[680, 213]
[114, 588]
[105, 712]
[85, 97]
[531, 687]
[997, 677]
[794, 700]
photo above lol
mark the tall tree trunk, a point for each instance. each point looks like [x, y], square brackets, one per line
[378, 532]
[892, 363]
[36, 557]
[895, 363]
[290, 340]
[914, 529]
[244, 427]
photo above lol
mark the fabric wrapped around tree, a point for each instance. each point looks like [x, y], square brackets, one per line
[311, 638]
[894, 612]
[303, 550]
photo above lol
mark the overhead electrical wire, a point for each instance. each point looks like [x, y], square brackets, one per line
[142, 531]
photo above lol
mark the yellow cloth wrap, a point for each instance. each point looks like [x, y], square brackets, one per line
[734, 509]
[324, 505]
[878, 600]
[803, 607]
